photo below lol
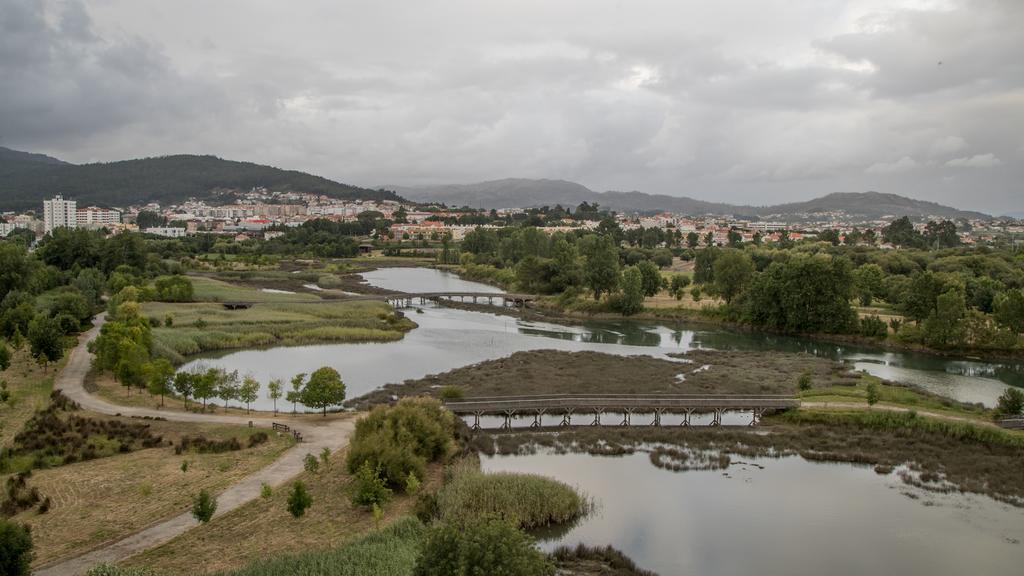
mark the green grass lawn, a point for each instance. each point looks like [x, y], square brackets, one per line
[896, 396]
[212, 290]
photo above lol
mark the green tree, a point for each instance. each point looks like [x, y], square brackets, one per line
[228, 386]
[159, 375]
[631, 300]
[45, 340]
[1009, 310]
[602, 266]
[295, 394]
[734, 238]
[15, 549]
[941, 235]
[733, 270]
[704, 266]
[249, 391]
[651, 277]
[901, 232]
[803, 294]
[369, 488]
[184, 385]
[692, 240]
[205, 385]
[5, 357]
[567, 269]
[868, 283]
[920, 299]
[873, 394]
[944, 327]
[679, 284]
[274, 388]
[324, 389]
[299, 499]
[483, 546]
[203, 506]
[175, 288]
[1010, 403]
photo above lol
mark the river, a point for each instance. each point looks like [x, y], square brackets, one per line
[447, 338]
[779, 516]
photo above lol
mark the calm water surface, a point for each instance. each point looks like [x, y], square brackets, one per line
[792, 517]
[447, 339]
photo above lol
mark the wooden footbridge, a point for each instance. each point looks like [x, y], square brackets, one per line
[568, 405]
[406, 300]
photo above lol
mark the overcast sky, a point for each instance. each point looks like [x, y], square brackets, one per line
[758, 101]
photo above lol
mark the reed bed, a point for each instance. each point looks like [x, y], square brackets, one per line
[524, 500]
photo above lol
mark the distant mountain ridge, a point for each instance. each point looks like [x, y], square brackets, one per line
[27, 179]
[527, 193]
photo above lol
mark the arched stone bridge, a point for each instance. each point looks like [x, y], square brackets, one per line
[568, 405]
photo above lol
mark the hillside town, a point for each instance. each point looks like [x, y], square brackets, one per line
[261, 213]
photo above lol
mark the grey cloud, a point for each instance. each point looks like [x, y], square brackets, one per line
[766, 101]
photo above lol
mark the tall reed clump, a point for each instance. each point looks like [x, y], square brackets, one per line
[402, 439]
[523, 500]
[391, 551]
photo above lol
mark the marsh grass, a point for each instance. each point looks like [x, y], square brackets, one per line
[524, 500]
[270, 324]
[391, 551]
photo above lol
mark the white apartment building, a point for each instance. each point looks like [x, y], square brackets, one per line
[166, 232]
[59, 213]
[93, 217]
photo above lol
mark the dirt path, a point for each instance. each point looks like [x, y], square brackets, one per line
[331, 433]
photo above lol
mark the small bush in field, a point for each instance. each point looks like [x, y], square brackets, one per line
[266, 491]
[299, 499]
[311, 464]
[369, 488]
[203, 506]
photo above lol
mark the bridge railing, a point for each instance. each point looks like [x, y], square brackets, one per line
[658, 402]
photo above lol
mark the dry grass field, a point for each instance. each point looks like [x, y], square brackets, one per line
[106, 499]
[30, 386]
[264, 528]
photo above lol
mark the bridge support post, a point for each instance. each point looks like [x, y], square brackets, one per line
[507, 425]
[597, 417]
[537, 417]
[476, 420]
[567, 417]
[657, 416]
[717, 419]
[686, 417]
[627, 413]
[756, 417]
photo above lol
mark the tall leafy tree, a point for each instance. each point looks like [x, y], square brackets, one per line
[732, 272]
[631, 300]
[249, 391]
[159, 375]
[602, 266]
[324, 389]
[45, 340]
[274, 391]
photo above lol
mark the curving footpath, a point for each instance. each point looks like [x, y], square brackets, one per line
[331, 433]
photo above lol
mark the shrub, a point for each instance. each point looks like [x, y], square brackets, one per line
[412, 484]
[804, 383]
[203, 506]
[482, 546]
[873, 327]
[311, 464]
[299, 499]
[325, 456]
[15, 549]
[400, 439]
[1011, 402]
[266, 491]
[696, 293]
[873, 394]
[369, 489]
[452, 392]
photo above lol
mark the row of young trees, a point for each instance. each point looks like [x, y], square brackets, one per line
[323, 389]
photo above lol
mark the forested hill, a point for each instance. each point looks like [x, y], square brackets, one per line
[528, 193]
[27, 179]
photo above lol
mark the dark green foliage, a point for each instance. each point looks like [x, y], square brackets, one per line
[167, 179]
[112, 570]
[18, 495]
[804, 294]
[483, 546]
[5, 357]
[804, 383]
[733, 270]
[15, 549]
[452, 393]
[175, 288]
[602, 266]
[400, 439]
[704, 266]
[873, 327]
[299, 499]
[203, 445]
[651, 277]
[631, 300]
[324, 389]
[203, 506]
[45, 339]
[901, 233]
[368, 487]
[1009, 310]
[873, 394]
[945, 327]
[1011, 402]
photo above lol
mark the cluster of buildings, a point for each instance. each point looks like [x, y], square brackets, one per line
[261, 213]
